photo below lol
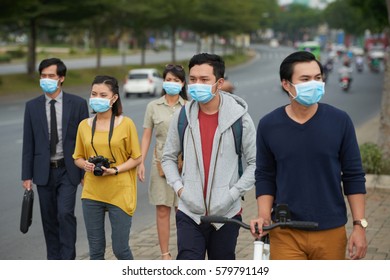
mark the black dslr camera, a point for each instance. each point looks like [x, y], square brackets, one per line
[99, 161]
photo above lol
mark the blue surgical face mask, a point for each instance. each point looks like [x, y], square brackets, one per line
[309, 93]
[48, 85]
[99, 105]
[172, 88]
[201, 93]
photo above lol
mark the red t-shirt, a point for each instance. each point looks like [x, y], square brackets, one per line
[208, 124]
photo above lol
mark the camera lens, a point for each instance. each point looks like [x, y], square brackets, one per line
[98, 171]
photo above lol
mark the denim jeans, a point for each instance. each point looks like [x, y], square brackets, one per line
[94, 216]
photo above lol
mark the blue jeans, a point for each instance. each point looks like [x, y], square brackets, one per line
[94, 216]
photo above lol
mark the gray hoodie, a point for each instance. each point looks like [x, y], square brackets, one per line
[225, 188]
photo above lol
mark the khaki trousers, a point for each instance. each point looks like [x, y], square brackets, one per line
[294, 244]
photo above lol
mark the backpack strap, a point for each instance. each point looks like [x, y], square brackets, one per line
[237, 132]
[236, 128]
[181, 127]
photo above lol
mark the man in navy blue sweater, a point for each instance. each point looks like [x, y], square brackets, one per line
[308, 157]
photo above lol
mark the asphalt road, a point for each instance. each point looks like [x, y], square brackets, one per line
[257, 82]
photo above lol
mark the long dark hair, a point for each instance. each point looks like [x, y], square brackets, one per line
[177, 71]
[112, 83]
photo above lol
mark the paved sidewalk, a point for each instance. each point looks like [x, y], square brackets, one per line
[145, 246]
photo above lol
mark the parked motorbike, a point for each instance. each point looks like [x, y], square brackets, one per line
[375, 65]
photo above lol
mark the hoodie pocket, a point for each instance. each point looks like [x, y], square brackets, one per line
[192, 197]
[221, 200]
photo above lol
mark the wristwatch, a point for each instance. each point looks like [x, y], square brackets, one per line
[362, 222]
[116, 170]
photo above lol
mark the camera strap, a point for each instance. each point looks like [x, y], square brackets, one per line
[109, 135]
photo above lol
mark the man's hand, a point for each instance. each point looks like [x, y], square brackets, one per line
[257, 227]
[179, 192]
[27, 184]
[357, 243]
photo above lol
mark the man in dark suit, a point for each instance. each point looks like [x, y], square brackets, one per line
[49, 136]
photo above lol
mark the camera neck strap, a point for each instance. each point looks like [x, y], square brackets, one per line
[109, 135]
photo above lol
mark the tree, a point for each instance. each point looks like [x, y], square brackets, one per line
[358, 16]
[384, 127]
[377, 18]
[29, 14]
[98, 15]
[298, 22]
[210, 18]
[172, 15]
[340, 14]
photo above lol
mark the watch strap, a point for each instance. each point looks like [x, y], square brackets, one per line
[362, 222]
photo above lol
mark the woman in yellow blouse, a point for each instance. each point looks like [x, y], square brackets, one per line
[107, 148]
[158, 116]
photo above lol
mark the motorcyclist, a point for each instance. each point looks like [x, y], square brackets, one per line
[346, 70]
[359, 62]
[345, 74]
[328, 67]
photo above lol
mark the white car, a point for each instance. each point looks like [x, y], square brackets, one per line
[274, 43]
[147, 81]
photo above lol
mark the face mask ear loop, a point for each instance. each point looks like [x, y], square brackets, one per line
[217, 90]
[292, 96]
[112, 102]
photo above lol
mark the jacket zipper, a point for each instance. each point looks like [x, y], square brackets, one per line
[197, 162]
[215, 166]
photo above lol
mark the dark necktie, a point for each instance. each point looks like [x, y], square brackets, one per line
[53, 128]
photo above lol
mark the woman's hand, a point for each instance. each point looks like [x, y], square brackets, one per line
[109, 171]
[141, 172]
[88, 166]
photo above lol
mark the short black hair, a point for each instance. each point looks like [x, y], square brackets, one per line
[213, 60]
[287, 66]
[112, 83]
[61, 68]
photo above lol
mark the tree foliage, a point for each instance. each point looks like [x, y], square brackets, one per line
[45, 21]
[297, 21]
[374, 14]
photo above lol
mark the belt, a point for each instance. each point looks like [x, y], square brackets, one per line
[57, 163]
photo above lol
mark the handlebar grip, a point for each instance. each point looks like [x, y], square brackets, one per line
[302, 225]
[214, 219]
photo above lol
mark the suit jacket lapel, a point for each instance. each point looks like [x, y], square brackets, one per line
[41, 111]
[66, 110]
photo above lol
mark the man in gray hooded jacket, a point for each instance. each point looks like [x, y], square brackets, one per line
[209, 183]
